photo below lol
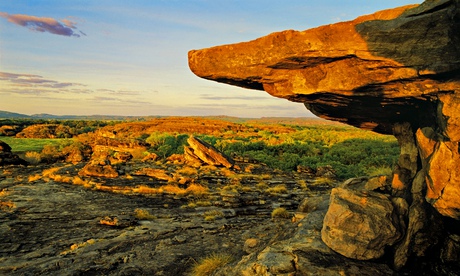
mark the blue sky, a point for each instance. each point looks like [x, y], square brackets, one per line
[130, 57]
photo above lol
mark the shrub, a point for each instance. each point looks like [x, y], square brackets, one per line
[50, 154]
[33, 157]
[210, 264]
[280, 212]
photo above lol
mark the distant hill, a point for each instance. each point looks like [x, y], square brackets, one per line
[45, 116]
[263, 120]
[12, 115]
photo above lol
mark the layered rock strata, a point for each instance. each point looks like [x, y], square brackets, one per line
[394, 72]
[199, 152]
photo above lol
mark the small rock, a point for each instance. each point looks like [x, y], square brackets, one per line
[250, 245]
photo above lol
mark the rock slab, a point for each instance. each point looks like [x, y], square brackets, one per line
[200, 151]
[359, 225]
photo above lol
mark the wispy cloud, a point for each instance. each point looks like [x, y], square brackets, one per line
[28, 81]
[220, 98]
[65, 27]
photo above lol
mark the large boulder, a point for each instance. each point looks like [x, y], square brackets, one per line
[360, 224]
[395, 72]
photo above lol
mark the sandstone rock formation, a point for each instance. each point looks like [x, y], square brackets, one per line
[394, 72]
[200, 151]
[97, 168]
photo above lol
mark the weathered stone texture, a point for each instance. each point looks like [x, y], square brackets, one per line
[359, 225]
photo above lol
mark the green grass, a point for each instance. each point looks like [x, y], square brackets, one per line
[30, 144]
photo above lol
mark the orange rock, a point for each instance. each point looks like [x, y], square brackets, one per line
[359, 225]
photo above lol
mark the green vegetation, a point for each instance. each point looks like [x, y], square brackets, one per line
[165, 144]
[349, 151]
[76, 126]
[32, 144]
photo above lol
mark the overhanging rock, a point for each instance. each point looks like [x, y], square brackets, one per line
[395, 72]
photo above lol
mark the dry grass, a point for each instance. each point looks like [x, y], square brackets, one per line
[210, 264]
[34, 177]
[50, 172]
[213, 215]
[197, 190]
[262, 186]
[143, 214]
[139, 154]
[4, 192]
[142, 189]
[278, 189]
[187, 171]
[7, 205]
[302, 183]
[83, 182]
[33, 157]
[323, 181]
[75, 246]
[280, 213]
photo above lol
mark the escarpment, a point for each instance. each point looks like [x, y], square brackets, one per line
[394, 72]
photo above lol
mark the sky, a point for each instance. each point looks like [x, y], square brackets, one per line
[117, 57]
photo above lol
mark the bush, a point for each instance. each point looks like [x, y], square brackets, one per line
[50, 154]
[33, 157]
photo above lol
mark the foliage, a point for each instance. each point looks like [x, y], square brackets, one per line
[165, 144]
[350, 157]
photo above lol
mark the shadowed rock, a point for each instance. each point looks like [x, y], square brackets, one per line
[9, 158]
[394, 72]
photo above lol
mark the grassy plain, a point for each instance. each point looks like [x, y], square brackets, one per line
[19, 145]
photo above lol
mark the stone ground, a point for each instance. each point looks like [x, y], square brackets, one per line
[53, 228]
[48, 227]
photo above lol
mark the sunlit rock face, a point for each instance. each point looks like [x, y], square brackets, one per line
[394, 72]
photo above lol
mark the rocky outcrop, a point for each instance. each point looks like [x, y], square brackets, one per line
[390, 70]
[96, 168]
[202, 152]
[9, 158]
[394, 72]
